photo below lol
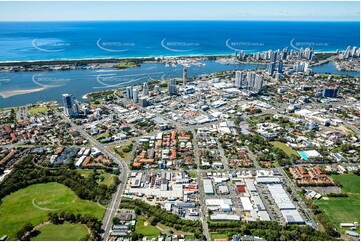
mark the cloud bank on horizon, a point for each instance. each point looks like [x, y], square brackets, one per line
[271, 10]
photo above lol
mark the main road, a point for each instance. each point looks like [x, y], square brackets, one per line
[116, 198]
[203, 211]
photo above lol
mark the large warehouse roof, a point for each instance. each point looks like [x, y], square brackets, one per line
[280, 196]
[207, 186]
[292, 216]
[250, 185]
[246, 204]
[225, 217]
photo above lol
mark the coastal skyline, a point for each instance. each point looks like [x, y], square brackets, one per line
[108, 11]
[179, 121]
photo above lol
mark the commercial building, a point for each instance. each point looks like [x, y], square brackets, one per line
[184, 76]
[145, 89]
[292, 216]
[246, 204]
[208, 187]
[330, 92]
[271, 68]
[172, 87]
[280, 66]
[68, 104]
[135, 95]
[143, 102]
[156, 89]
[129, 92]
[268, 180]
[280, 197]
[264, 216]
[250, 185]
[258, 84]
[225, 217]
[238, 79]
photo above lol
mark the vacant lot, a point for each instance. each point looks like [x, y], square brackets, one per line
[66, 231]
[124, 151]
[32, 204]
[38, 110]
[288, 150]
[108, 178]
[218, 236]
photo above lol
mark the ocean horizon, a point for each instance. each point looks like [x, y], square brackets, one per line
[71, 40]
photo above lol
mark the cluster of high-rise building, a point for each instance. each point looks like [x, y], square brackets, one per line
[272, 67]
[300, 66]
[249, 80]
[71, 105]
[354, 52]
[274, 56]
[133, 93]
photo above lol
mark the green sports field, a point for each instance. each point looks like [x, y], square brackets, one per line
[350, 182]
[343, 209]
[32, 204]
[66, 231]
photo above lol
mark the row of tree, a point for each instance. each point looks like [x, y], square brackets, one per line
[157, 214]
[91, 222]
[25, 230]
[269, 231]
[326, 224]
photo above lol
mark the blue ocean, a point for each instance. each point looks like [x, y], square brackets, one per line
[21, 41]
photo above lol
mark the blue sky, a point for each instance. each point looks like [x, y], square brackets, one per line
[67, 11]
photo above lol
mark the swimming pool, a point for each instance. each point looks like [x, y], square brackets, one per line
[303, 155]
